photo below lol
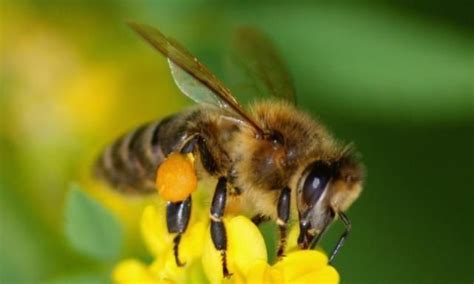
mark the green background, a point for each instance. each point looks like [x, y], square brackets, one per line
[394, 78]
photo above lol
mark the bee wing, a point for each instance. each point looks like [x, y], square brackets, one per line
[192, 77]
[261, 70]
[193, 88]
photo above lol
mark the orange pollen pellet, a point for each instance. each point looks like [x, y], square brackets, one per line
[176, 177]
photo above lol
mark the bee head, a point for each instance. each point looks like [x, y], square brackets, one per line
[324, 189]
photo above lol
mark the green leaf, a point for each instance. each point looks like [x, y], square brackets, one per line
[90, 228]
[269, 231]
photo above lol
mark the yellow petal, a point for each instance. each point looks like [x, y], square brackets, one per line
[154, 230]
[245, 243]
[292, 242]
[192, 242]
[165, 268]
[132, 271]
[195, 274]
[190, 248]
[299, 263]
[211, 260]
[327, 275]
[276, 276]
[262, 273]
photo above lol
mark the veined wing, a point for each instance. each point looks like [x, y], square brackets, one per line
[191, 76]
[193, 88]
[262, 71]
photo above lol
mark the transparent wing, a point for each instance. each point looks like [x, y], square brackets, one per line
[193, 88]
[257, 69]
[192, 77]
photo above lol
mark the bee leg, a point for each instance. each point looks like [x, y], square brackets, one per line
[314, 236]
[208, 161]
[177, 219]
[304, 237]
[347, 224]
[188, 147]
[218, 233]
[283, 211]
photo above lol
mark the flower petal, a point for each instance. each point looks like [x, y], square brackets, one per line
[245, 246]
[192, 242]
[132, 271]
[154, 231]
[326, 275]
[245, 243]
[292, 241]
[165, 268]
[261, 272]
[299, 263]
[211, 262]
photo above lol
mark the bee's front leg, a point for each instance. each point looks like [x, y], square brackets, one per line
[283, 213]
[218, 232]
[177, 219]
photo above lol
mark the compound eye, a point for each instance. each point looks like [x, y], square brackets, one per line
[315, 183]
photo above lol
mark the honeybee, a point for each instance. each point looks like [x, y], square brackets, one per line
[266, 160]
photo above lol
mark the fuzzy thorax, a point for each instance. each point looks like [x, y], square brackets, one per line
[263, 167]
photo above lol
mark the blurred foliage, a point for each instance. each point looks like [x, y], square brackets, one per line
[392, 76]
[90, 228]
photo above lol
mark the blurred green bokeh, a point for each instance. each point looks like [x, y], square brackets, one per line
[397, 79]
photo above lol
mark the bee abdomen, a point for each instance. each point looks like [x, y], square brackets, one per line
[130, 163]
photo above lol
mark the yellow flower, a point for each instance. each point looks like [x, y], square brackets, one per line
[247, 256]
[160, 244]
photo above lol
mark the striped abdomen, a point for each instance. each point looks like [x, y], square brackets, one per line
[130, 163]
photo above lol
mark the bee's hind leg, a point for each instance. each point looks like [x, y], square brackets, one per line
[218, 232]
[179, 213]
[283, 213]
[177, 219]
